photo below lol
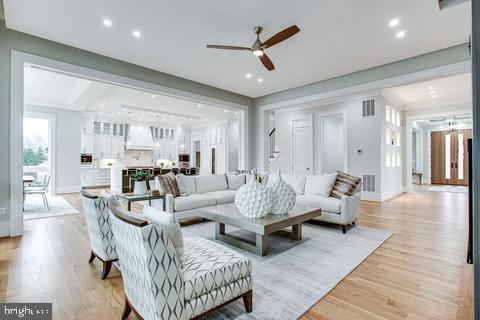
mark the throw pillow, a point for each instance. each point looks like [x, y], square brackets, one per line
[321, 185]
[186, 185]
[345, 184]
[170, 224]
[169, 184]
[235, 181]
[298, 183]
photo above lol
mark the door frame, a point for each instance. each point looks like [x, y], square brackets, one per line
[408, 141]
[303, 122]
[52, 118]
[19, 59]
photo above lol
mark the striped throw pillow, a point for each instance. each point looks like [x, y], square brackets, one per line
[169, 184]
[345, 185]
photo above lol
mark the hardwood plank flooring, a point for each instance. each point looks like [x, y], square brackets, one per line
[419, 273]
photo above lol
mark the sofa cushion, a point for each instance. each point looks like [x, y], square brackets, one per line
[170, 224]
[169, 184]
[186, 184]
[298, 183]
[329, 204]
[209, 183]
[208, 265]
[321, 185]
[345, 185]
[235, 181]
[193, 201]
[223, 196]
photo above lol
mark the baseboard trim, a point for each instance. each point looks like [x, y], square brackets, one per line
[68, 189]
[390, 194]
[371, 196]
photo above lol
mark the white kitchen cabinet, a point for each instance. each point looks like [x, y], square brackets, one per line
[118, 148]
[221, 134]
[86, 177]
[101, 176]
[87, 126]
[106, 152]
[108, 141]
[86, 143]
[220, 158]
[206, 137]
[97, 146]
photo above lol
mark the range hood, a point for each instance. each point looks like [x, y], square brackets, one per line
[139, 137]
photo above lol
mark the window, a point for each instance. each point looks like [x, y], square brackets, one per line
[399, 160]
[398, 118]
[388, 137]
[392, 116]
[387, 113]
[388, 158]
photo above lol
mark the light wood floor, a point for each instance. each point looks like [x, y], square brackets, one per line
[419, 273]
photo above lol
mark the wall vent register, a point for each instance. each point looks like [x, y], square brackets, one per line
[368, 183]
[368, 108]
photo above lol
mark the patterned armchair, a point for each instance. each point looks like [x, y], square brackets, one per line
[156, 287]
[101, 237]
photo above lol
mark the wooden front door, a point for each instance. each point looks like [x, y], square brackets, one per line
[449, 157]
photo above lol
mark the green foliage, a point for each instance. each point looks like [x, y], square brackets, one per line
[34, 158]
[139, 176]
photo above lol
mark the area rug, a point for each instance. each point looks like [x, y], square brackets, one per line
[297, 274]
[455, 189]
[34, 208]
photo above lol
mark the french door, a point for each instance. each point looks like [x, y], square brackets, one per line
[449, 157]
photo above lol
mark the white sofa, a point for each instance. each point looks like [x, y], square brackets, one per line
[211, 190]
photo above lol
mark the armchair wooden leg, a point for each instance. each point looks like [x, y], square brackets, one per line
[126, 309]
[92, 257]
[107, 265]
[344, 229]
[248, 301]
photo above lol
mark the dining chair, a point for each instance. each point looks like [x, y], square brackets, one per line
[41, 189]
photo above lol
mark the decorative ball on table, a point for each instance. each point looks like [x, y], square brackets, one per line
[283, 196]
[254, 200]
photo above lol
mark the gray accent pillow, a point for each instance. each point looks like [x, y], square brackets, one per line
[170, 224]
[235, 181]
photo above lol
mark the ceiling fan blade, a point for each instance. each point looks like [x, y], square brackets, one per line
[281, 36]
[267, 62]
[212, 46]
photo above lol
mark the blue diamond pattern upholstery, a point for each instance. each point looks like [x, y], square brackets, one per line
[156, 285]
[99, 228]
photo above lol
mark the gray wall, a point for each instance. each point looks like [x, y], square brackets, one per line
[363, 133]
[12, 40]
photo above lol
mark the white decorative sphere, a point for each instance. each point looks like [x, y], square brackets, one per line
[253, 200]
[283, 196]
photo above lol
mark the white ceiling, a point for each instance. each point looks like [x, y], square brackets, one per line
[337, 37]
[449, 90]
[56, 90]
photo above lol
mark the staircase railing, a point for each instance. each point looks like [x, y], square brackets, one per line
[271, 139]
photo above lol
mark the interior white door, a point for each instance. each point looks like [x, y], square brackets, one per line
[302, 146]
[332, 144]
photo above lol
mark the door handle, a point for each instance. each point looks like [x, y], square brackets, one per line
[456, 165]
[451, 165]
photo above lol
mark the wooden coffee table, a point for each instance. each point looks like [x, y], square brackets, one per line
[228, 214]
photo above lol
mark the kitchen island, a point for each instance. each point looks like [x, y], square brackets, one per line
[121, 182]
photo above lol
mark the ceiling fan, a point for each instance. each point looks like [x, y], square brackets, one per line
[258, 47]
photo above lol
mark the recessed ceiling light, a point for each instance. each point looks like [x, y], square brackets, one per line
[206, 119]
[110, 115]
[394, 22]
[236, 113]
[248, 75]
[199, 105]
[430, 88]
[260, 80]
[118, 112]
[401, 34]
[434, 96]
[225, 110]
[152, 96]
[107, 22]
[137, 34]
[191, 119]
[99, 114]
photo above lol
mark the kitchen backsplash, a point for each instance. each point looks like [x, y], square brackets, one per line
[132, 158]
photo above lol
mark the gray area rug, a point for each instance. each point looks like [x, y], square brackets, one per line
[297, 274]
[34, 208]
